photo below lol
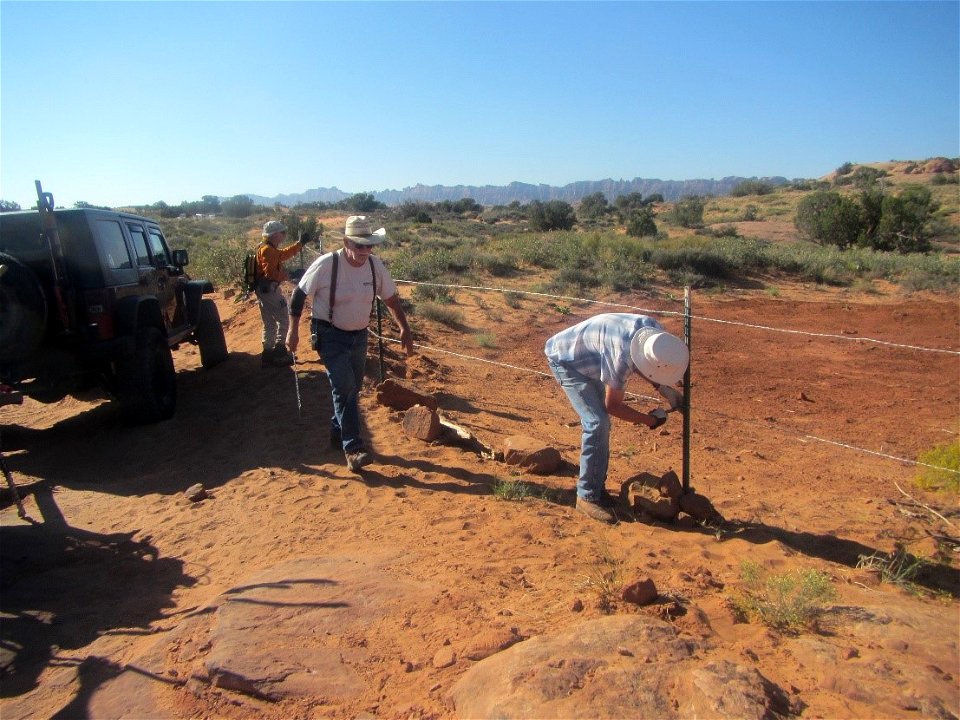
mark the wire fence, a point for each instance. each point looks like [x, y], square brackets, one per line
[655, 311]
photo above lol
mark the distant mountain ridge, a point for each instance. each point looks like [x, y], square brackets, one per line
[671, 190]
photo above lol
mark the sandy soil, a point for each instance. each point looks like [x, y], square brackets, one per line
[795, 439]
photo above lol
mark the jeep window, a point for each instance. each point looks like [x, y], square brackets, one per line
[158, 248]
[140, 243]
[112, 246]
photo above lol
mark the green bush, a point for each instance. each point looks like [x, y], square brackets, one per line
[946, 457]
[788, 601]
[551, 215]
[688, 212]
[640, 223]
[829, 218]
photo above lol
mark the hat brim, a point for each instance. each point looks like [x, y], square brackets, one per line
[375, 238]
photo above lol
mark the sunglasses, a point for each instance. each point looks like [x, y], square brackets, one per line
[357, 246]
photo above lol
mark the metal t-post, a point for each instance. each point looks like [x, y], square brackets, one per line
[686, 393]
[380, 336]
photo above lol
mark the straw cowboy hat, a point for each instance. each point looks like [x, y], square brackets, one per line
[358, 230]
[272, 227]
[659, 356]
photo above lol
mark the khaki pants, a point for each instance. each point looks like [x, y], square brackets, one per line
[274, 314]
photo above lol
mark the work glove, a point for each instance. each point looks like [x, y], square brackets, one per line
[304, 238]
[660, 415]
[671, 395]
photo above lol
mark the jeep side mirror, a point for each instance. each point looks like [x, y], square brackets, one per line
[180, 258]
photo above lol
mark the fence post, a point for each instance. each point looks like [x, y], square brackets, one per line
[686, 392]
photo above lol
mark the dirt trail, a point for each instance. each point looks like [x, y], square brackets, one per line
[794, 440]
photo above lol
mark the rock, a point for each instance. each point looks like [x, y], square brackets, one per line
[401, 396]
[640, 592]
[532, 455]
[577, 605]
[489, 642]
[650, 496]
[196, 493]
[421, 423]
[444, 657]
[622, 666]
[700, 508]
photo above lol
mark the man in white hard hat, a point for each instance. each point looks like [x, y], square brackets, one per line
[592, 361]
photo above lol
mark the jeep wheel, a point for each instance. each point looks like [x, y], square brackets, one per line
[147, 381]
[23, 310]
[209, 335]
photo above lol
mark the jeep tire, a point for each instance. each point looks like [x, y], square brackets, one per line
[209, 335]
[23, 310]
[147, 380]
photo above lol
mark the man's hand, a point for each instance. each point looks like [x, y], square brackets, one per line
[672, 396]
[660, 417]
[293, 335]
[304, 238]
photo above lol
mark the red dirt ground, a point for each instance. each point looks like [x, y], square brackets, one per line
[795, 438]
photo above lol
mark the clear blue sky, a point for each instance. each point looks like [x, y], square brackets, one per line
[133, 102]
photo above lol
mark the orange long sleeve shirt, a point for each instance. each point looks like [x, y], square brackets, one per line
[271, 259]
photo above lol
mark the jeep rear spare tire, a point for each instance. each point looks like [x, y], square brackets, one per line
[209, 335]
[147, 380]
[23, 310]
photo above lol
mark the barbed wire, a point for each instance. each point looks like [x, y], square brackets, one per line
[653, 311]
[680, 314]
[647, 397]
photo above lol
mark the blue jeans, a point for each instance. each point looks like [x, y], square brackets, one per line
[587, 398]
[344, 353]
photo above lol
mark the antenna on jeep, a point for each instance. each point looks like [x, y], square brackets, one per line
[50, 236]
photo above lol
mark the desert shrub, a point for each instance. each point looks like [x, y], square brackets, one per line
[688, 212]
[486, 340]
[551, 215]
[904, 221]
[899, 567]
[945, 179]
[434, 293]
[498, 265]
[593, 206]
[703, 261]
[513, 299]
[640, 223]
[946, 457]
[829, 218]
[751, 187]
[511, 490]
[786, 601]
[443, 314]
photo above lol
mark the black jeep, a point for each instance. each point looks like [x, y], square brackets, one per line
[94, 298]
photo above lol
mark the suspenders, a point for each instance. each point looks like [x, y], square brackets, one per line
[333, 285]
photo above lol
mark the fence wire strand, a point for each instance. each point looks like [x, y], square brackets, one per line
[654, 311]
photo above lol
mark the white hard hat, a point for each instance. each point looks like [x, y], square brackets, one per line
[659, 356]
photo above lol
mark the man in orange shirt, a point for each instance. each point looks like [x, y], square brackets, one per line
[270, 297]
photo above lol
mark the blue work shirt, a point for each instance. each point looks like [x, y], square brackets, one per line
[599, 347]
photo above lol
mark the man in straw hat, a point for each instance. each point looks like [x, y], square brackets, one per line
[593, 361]
[343, 286]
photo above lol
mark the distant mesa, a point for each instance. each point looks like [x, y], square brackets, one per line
[671, 190]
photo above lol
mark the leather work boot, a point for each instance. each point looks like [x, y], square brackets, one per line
[594, 511]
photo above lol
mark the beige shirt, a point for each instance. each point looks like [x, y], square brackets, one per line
[354, 298]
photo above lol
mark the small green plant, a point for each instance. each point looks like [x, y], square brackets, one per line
[787, 601]
[442, 314]
[562, 309]
[773, 291]
[486, 340]
[605, 576]
[511, 490]
[946, 457]
[899, 567]
[434, 293]
[512, 299]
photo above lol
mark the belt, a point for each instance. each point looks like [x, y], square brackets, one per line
[315, 322]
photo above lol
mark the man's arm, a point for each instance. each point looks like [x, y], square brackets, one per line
[613, 402]
[400, 318]
[296, 310]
